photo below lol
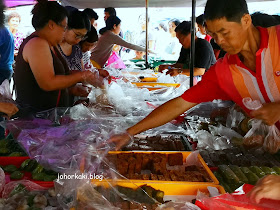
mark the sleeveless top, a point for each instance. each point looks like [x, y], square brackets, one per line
[74, 60]
[29, 95]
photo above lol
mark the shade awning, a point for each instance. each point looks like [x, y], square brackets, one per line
[15, 3]
[81, 4]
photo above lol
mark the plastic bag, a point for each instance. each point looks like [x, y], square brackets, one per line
[261, 134]
[272, 140]
[95, 193]
[25, 194]
[192, 159]
[255, 136]
[30, 186]
[234, 118]
[178, 205]
[205, 109]
[204, 140]
[2, 179]
[57, 115]
[54, 147]
[221, 130]
[115, 61]
[5, 93]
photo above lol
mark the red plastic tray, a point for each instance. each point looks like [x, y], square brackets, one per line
[17, 161]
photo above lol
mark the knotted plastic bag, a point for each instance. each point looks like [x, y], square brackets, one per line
[5, 93]
[255, 136]
[260, 133]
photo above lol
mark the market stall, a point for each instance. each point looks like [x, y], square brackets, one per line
[159, 165]
[61, 159]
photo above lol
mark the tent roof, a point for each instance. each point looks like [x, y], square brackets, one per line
[15, 3]
[81, 4]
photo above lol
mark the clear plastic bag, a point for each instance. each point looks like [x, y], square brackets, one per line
[54, 147]
[28, 185]
[126, 98]
[57, 115]
[204, 140]
[2, 179]
[93, 193]
[234, 118]
[178, 206]
[205, 109]
[260, 134]
[5, 93]
[272, 140]
[256, 135]
[25, 194]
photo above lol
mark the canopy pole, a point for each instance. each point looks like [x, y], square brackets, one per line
[147, 41]
[192, 43]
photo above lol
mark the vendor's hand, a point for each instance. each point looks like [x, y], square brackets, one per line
[120, 140]
[162, 67]
[267, 187]
[92, 78]
[8, 108]
[268, 113]
[80, 90]
[103, 73]
[174, 71]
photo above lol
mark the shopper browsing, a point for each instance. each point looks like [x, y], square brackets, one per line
[109, 37]
[204, 54]
[14, 20]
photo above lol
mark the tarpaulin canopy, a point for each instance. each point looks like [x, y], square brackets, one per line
[81, 4]
[15, 3]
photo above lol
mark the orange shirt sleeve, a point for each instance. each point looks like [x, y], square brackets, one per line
[206, 90]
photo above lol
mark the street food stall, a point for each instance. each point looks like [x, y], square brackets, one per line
[61, 159]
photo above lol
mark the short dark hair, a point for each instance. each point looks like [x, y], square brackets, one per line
[91, 13]
[70, 9]
[2, 16]
[184, 27]
[200, 20]
[232, 10]
[78, 20]
[111, 11]
[110, 22]
[14, 15]
[44, 11]
[162, 24]
[92, 36]
[175, 21]
[265, 20]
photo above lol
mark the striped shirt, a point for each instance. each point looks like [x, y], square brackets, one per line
[230, 79]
